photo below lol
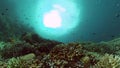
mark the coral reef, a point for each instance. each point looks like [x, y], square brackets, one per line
[68, 55]
[21, 47]
[108, 61]
[110, 47]
[16, 63]
[32, 51]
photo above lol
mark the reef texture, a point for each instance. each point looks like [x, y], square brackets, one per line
[31, 51]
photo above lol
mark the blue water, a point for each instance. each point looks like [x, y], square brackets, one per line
[97, 20]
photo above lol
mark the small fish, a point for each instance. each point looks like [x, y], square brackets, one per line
[2, 14]
[112, 36]
[6, 9]
[26, 18]
[117, 15]
[94, 33]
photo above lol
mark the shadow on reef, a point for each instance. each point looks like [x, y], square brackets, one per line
[29, 43]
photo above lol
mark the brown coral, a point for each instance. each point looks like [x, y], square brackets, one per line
[68, 55]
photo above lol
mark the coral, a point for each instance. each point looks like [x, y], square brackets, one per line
[14, 50]
[110, 47]
[67, 52]
[3, 64]
[108, 61]
[2, 44]
[16, 63]
[28, 56]
[62, 55]
[35, 45]
[68, 55]
[115, 41]
[114, 46]
[34, 52]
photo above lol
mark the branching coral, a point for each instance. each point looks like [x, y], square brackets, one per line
[108, 61]
[16, 63]
[68, 55]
